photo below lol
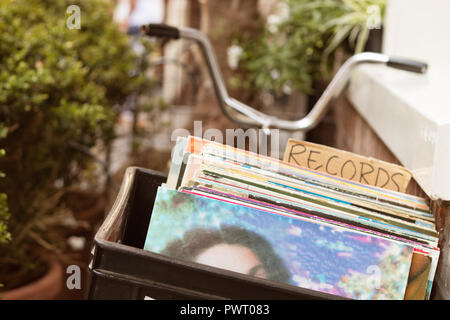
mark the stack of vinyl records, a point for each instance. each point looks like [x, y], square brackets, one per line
[248, 213]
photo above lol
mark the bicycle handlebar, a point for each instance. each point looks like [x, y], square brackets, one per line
[308, 122]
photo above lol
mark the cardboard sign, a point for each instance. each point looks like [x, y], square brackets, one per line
[347, 165]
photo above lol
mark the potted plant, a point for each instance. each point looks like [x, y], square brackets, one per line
[58, 89]
[303, 42]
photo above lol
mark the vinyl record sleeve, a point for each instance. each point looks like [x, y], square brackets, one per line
[200, 146]
[242, 174]
[420, 249]
[300, 252]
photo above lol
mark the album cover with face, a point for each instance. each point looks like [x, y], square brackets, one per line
[268, 244]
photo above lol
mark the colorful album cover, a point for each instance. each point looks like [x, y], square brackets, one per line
[278, 247]
[211, 149]
[200, 146]
[241, 174]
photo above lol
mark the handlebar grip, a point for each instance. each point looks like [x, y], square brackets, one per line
[407, 65]
[161, 31]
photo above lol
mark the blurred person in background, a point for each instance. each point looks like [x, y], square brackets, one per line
[132, 14]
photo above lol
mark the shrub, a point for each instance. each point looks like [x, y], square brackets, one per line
[5, 236]
[58, 88]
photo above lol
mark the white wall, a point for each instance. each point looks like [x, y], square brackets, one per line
[419, 29]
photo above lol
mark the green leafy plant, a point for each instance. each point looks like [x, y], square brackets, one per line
[299, 41]
[5, 236]
[58, 88]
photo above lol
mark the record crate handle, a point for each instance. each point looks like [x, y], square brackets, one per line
[247, 116]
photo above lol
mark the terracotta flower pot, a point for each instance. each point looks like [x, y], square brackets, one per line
[45, 288]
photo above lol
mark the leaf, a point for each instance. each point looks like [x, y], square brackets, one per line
[3, 131]
[362, 39]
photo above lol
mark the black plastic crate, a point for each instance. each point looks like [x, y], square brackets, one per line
[121, 269]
